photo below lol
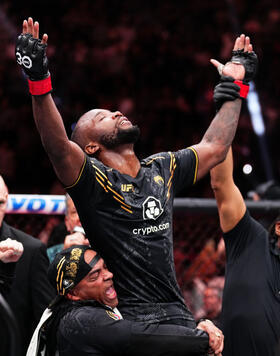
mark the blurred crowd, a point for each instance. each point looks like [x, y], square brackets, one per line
[149, 60]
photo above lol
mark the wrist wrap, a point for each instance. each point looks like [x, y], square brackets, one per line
[40, 87]
[244, 88]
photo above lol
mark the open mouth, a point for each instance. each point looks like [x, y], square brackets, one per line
[124, 121]
[111, 293]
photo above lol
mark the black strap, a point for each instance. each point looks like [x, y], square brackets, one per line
[95, 259]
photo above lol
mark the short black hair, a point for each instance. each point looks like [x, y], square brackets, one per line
[271, 229]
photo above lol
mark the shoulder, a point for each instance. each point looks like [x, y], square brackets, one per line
[85, 317]
[157, 158]
[247, 232]
[95, 163]
[94, 166]
[248, 223]
[184, 153]
[26, 239]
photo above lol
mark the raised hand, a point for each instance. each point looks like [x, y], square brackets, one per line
[31, 56]
[243, 64]
[33, 29]
[77, 238]
[10, 250]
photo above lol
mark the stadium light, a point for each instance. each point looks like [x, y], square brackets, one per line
[254, 108]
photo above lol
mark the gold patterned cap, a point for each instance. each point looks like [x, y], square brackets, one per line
[69, 267]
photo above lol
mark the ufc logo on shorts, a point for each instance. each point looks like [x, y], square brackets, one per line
[24, 61]
[151, 208]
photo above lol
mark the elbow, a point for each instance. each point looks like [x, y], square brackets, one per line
[221, 154]
[218, 154]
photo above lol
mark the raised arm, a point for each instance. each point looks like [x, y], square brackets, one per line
[231, 205]
[67, 157]
[236, 75]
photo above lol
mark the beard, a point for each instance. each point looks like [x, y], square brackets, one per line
[120, 137]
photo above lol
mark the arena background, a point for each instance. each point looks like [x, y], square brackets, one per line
[149, 59]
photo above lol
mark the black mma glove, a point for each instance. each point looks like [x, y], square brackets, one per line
[31, 56]
[226, 90]
[229, 89]
[249, 61]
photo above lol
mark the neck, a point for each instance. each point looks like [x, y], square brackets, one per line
[122, 159]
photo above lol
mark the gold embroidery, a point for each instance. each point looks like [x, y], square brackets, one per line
[71, 270]
[172, 169]
[127, 188]
[112, 315]
[107, 186]
[126, 209]
[77, 180]
[196, 163]
[159, 180]
[76, 254]
[153, 159]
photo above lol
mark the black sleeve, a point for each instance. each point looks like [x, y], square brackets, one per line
[88, 190]
[7, 275]
[85, 183]
[243, 237]
[164, 340]
[92, 331]
[185, 173]
[96, 332]
[42, 291]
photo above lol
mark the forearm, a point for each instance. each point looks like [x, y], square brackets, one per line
[50, 125]
[216, 141]
[196, 342]
[223, 127]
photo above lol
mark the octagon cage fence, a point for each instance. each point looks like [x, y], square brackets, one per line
[198, 247]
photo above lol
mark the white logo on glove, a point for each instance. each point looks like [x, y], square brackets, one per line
[24, 61]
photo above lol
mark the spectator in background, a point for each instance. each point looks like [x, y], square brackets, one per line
[68, 233]
[207, 266]
[208, 263]
[30, 291]
[212, 304]
[269, 190]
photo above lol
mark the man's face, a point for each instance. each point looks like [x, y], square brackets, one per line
[211, 300]
[71, 218]
[113, 129]
[277, 228]
[98, 283]
[3, 199]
